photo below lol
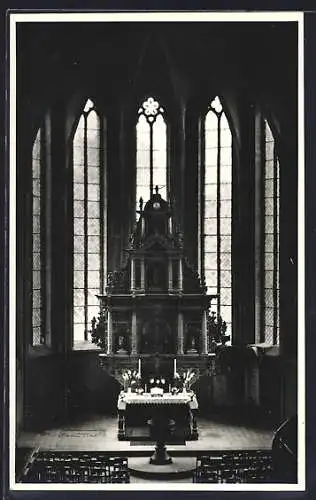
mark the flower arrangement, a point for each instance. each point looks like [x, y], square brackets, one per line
[187, 377]
[129, 378]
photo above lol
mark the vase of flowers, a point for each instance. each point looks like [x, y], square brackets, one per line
[130, 379]
[186, 378]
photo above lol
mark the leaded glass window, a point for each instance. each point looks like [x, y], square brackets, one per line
[216, 209]
[151, 157]
[41, 236]
[37, 243]
[89, 221]
[271, 271]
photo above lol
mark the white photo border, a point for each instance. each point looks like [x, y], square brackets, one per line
[160, 16]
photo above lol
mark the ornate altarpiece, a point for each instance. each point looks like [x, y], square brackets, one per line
[156, 308]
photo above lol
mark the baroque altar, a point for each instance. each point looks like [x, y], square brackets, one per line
[154, 319]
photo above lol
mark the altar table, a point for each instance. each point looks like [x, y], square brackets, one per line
[145, 406]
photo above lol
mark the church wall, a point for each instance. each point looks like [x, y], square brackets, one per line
[57, 387]
[288, 246]
[270, 387]
[89, 387]
[19, 399]
[44, 391]
[290, 387]
[220, 392]
[23, 317]
[243, 256]
[278, 388]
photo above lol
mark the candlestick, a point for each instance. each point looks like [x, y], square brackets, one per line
[169, 388]
[174, 367]
[139, 368]
[145, 387]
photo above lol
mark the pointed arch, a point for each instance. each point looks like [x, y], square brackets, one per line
[41, 236]
[37, 251]
[267, 260]
[151, 150]
[89, 220]
[216, 208]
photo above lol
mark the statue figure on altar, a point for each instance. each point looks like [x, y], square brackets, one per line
[192, 345]
[121, 344]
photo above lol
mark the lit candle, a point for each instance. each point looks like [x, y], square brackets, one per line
[174, 367]
[139, 368]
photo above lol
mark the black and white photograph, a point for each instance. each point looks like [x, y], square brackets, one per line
[156, 251]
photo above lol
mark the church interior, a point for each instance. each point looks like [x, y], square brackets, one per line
[156, 199]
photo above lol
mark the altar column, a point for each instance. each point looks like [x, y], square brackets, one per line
[109, 332]
[134, 333]
[142, 273]
[204, 333]
[180, 275]
[142, 226]
[170, 226]
[170, 278]
[180, 333]
[132, 274]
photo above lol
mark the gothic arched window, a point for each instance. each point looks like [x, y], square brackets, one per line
[151, 158]
[89, 221]
[38, 248]
[268, 273]
[41, 236]
[216, 209]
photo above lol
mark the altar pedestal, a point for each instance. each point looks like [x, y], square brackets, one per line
[160, 428]
[160, 456]
[180, 467]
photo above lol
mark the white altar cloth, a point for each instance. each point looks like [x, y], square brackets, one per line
[147, 399]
